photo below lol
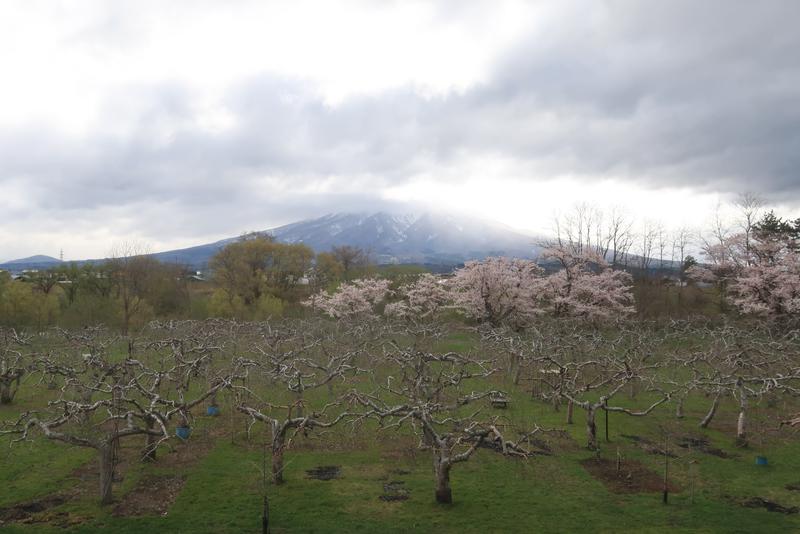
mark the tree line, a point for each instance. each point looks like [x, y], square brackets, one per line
[743, 263]
[252, 278]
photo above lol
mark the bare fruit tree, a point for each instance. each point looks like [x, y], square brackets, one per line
[14, 363]
[591, 379]
[745, 365]
[294, 363]
[426, 395]
[103, 401]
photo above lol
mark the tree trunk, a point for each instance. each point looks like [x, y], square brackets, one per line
[570, 409]
[106, 458]
[444, 494]
[710, 415]
[679, 408]
[6, 394]
[299, 412]
[591, 428]
[514, 368]
[517, 372]
[149, 452]
[741, 424]
[277, 460]
[634, 389]
[427, 436]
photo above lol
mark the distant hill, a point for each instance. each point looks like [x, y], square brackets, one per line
[432, 239]
[31, 262]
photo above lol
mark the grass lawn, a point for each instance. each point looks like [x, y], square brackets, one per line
[221, 484]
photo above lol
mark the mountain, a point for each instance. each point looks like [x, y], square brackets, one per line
[390, 238]
[36, 259]
[31, 262]
[427, 238]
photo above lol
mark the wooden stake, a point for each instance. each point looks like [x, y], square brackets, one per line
[666, 469]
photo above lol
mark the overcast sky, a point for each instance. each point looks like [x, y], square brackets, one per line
[177, 123]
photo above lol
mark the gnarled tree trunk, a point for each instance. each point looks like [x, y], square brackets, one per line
[6, 393]
[151, 442]
[106, 459]
[278, 446]
[591, 428]
[710, 415]
[444, 494]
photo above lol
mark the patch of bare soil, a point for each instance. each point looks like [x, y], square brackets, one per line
[395, 491]
[324, 472]
[24, 512]
[760, 502]
[702, 444]
[152, 496]
[632, 477]
[40, 511]
[648, 446]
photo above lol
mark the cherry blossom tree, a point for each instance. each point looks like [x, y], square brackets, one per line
[419, 300]
[585, 286]
[758, 270]
[725, 259]
[358, 298]
[769, 285]
[499, 291]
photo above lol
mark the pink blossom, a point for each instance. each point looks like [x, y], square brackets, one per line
[357, 298]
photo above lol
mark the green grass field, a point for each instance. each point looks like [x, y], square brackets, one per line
[223, 479]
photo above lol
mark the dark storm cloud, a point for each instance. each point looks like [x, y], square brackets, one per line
[699, 94]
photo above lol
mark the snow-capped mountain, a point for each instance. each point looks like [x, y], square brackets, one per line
[390, 238]
[425, 238]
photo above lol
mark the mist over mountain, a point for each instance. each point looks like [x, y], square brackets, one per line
[405, 238]
[425, 238]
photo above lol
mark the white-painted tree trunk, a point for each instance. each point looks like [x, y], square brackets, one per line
[741, 424]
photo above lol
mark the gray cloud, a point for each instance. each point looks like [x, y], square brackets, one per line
[705, 95]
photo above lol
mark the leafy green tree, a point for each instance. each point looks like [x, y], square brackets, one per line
[328, 271]
[22, 305]
[256, 266]
[354, 260]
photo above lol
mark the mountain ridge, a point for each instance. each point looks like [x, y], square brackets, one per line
[423, 238]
